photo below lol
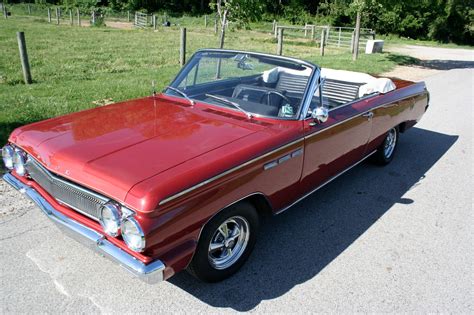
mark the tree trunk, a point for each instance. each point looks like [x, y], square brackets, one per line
[356, 37]
[223, 24]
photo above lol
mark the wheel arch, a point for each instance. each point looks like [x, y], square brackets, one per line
[258, 199]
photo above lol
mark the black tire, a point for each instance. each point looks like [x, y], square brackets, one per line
[201, 265]
[382, 157]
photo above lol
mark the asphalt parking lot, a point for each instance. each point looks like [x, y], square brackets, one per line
[393, 239]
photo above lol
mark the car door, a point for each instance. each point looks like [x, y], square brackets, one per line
[333, 146]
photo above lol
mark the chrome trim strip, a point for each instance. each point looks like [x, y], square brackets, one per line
[325, 183]
[212, 179]
[151, 273]
[309, 92]
[351, 117]
[172, 197]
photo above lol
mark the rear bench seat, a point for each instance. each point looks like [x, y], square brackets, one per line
[335, 90]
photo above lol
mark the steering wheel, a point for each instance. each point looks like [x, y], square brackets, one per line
[268, 93]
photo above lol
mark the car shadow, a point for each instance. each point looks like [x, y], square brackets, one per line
[295, 246]
[447, 64]
[435, 64]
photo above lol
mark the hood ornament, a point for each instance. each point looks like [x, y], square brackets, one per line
[153, 87]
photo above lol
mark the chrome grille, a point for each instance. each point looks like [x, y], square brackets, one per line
[80, 199]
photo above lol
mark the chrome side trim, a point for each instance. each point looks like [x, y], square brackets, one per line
[168, 199]
[212, 179]
[325, 183]
[349, 118]
[283, 159]
[151, 273]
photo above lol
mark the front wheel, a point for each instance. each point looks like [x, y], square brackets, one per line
[386, 150]
[225, 243]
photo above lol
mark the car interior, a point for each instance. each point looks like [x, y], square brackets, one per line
[278, 92]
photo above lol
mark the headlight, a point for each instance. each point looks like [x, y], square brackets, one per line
[19, 161]
[7, 155]
[133, 235]
[110, 218]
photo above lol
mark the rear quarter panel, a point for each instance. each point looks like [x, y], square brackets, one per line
[404, 106]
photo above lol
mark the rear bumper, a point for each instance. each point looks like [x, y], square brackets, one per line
[150, 273]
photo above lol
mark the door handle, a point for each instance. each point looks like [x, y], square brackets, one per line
[369, 115]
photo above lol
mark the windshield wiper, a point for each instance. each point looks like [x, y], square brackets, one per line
[182, 94]
[226, 101]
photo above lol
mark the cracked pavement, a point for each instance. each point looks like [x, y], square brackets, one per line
[393, 239]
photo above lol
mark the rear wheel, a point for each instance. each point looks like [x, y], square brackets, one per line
[386, 150]
[225, 243]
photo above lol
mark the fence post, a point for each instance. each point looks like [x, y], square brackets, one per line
[29, 9]
[5, 12]
[274, 25]
[70, 17]
[24, 57]
[323, 41]
[205, 21]
[312, 32]
[305, 29]
[49, 15]
[215, 25]
[280, 41]
[339, 38]
[276, 30]
[128, 16]
[78, 17]
[57, 16]
[93, 17]
[182, 47]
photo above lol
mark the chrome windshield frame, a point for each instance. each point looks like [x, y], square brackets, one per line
[310, 87]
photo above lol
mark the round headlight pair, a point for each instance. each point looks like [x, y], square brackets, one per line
[113, 222]
[14, 159]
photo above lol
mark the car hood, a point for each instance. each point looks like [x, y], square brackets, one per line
[110, 149]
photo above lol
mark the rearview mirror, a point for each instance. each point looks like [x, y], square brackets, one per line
[320, 114]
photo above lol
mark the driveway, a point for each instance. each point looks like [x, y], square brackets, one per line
[431, 61]
[392, 239]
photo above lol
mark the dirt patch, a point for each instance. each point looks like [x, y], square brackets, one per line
[120, 25]
[411, 73]
[429, 61]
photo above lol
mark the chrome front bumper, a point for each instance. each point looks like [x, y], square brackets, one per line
[151, 273]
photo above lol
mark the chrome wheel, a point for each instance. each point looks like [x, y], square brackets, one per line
[390, 143]
[228, 242]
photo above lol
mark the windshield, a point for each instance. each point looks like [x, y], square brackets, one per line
[250, 83]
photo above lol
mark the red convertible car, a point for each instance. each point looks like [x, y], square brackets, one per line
[178, 180]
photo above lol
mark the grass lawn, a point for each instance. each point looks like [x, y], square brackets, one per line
[75, 68]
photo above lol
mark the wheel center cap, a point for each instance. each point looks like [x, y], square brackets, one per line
[229, 243]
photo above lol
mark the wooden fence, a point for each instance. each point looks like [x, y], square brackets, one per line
[334, 36]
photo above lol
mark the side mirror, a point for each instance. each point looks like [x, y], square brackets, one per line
[320, 114]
